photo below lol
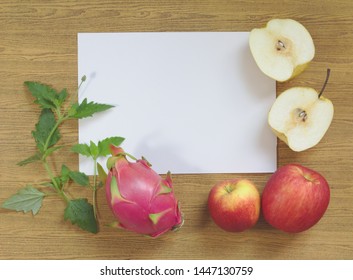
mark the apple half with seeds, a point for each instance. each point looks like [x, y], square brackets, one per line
[300, 116]
[282, 49]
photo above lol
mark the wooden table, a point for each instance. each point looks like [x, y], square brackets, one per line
[39, 42]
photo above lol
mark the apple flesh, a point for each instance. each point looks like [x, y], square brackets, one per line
[295, 198]
[282, 49]
[300, 117]
[234, 205]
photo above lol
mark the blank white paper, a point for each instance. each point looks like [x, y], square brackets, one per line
[189, 102]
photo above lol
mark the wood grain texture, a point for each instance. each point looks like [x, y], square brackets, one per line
[38, 41]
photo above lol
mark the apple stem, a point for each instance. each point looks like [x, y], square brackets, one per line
[228, 189]
[325, 83]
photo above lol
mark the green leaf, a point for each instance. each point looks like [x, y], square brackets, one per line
[65, 174]
[48, 184]
[31, 159]
[104, 145]
[51, 150]
[62, 97]
[80, 212]
[27, 199]
[79, 178]
[86, 109]
[44, 95]
[43, 129]
[82, 149]
[101, 173]
[93, 149]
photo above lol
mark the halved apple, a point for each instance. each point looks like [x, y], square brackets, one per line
[282, 49]
[300, 116]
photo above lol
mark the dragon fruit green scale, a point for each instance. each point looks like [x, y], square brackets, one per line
[139, 198]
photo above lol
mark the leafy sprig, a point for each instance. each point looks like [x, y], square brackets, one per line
[47, 136]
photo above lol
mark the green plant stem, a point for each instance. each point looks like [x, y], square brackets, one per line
[58, 122]
[83, 79]
[59, 191]
[129, 155]
[52, 178]
[39, 183]
[94, 196]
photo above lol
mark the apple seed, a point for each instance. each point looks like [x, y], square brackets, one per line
[303, 115]
[300, 114]
[280, 45]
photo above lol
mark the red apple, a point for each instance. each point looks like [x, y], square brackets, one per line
[295, 198]
[234, 205]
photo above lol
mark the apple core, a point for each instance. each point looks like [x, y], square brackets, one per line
[280, 45]
[300, 115]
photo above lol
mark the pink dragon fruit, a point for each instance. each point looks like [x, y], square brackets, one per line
[139, 198]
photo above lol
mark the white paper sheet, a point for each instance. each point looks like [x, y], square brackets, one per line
[189, 102]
